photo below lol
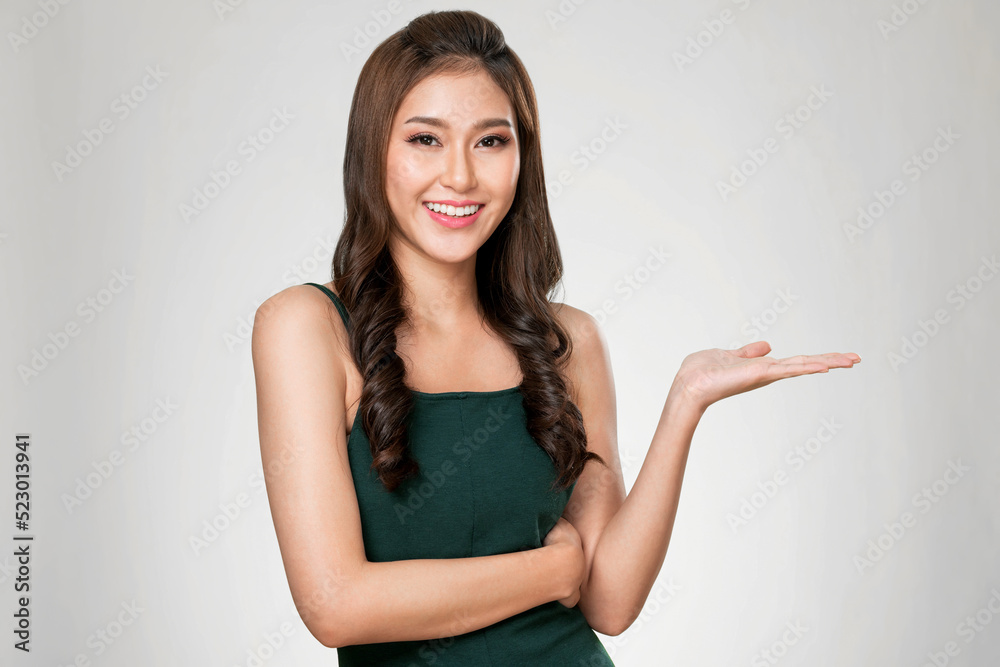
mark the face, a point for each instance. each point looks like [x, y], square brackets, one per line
[453, 146]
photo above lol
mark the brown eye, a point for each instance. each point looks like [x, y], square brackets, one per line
[419, 139]
[495, 140]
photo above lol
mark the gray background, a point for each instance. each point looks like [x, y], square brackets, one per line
[178, 331]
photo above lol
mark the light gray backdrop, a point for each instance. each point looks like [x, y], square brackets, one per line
[816, 174]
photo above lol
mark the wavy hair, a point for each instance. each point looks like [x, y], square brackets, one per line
[517, 268]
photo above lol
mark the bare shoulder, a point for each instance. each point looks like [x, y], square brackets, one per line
[295, 306]
[299, 348]
[300, 313]
[582, 328]
[590, 350]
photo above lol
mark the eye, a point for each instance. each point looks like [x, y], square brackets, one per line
[419, 139]
[490, 141]
[495, 140]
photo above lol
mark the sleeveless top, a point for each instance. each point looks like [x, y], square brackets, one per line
[482, 489]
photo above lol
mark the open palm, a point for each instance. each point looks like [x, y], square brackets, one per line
[711, 375]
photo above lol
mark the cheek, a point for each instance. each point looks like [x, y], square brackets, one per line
[513, 170]
[501, 174]
[402, 173]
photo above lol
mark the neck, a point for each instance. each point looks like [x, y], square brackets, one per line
[440, 297]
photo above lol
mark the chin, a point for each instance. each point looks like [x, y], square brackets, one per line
[449, 247]
[450, 255]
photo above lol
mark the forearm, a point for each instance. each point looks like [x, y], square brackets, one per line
[633, 545]
[433, 598]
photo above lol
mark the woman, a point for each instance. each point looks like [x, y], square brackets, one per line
[438, 438]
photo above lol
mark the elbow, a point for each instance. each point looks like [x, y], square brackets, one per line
[331, 641]
[613, 627]
[332, 631]
[328, 635]
[333, 624]
[609, 620]
[334, 610]
[324, 628]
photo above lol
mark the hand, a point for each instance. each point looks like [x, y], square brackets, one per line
[566, 537]
[711, 375]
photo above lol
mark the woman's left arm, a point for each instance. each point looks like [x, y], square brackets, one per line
[625, 538]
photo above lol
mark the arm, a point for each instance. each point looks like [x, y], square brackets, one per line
[631, 549]
[298, 358]
[625, 539]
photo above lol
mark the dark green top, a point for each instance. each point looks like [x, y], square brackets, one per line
[483, 489]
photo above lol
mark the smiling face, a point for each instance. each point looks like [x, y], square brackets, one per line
[453, 145]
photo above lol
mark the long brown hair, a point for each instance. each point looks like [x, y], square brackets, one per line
[517, 268]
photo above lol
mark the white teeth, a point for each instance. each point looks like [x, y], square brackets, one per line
[459, 212]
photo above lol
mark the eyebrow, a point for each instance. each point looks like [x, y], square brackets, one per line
[483, 124]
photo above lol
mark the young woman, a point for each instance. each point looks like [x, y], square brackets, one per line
[438, 437]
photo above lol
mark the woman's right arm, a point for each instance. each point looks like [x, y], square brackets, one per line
[299, 369]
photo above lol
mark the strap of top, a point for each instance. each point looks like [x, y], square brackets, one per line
[336, 302]
[343, 315]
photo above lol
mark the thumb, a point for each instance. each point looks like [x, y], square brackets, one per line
[756, 349]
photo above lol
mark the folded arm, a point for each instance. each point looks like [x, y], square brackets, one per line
[298, 357]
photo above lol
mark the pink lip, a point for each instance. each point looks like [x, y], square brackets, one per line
[452, 221]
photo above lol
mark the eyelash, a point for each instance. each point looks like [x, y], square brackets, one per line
[415, 137]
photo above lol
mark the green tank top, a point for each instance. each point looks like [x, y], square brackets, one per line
[483, 489]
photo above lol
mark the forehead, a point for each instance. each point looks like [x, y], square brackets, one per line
[458, 99]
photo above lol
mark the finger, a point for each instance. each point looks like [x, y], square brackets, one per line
[837, 355]
[781, 371]
[836, 358]
[756, 349]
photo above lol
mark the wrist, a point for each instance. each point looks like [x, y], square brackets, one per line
[561, 575]
[682, 403]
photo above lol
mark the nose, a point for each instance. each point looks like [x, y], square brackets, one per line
[459, 171]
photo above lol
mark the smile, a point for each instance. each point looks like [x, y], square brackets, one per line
[453, 216]
[453, 211]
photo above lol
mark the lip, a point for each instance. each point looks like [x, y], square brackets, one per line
[452, 221]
